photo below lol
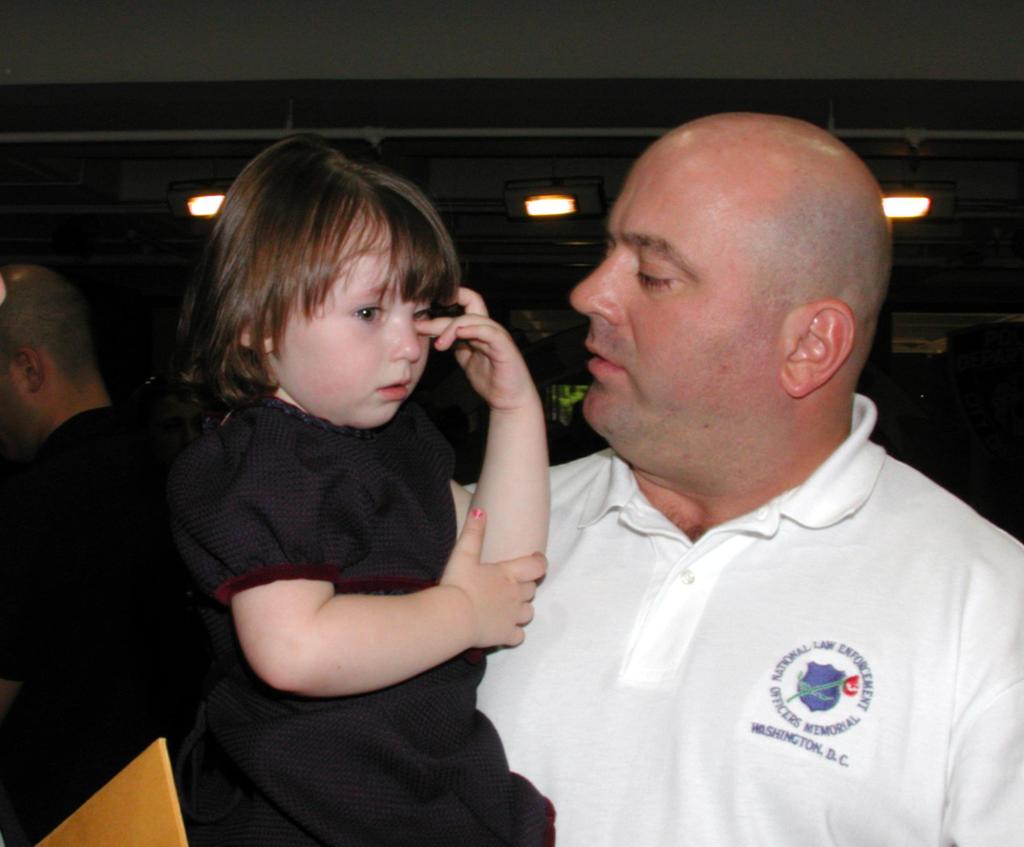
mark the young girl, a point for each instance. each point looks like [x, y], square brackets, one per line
[319, 520]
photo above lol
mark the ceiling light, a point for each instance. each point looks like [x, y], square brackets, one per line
[906, 207]
[204, 205]
[197, 199]
[549, 205]
[577, 197]
[919, 199]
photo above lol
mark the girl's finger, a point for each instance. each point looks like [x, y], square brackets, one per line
[472, 302]
[432, 326]
[471, 539]
[466, 328]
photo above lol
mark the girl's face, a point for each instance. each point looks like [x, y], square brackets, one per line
[360, 356]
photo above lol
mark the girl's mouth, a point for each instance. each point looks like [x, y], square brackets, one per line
[397, 391]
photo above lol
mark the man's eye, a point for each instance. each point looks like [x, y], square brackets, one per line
[653, 282]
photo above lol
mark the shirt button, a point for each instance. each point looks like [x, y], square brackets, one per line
[762, 513]
[687, 577]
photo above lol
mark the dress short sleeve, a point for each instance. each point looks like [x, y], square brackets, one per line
[258, 500]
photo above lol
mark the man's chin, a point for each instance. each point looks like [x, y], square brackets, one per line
[599, 409]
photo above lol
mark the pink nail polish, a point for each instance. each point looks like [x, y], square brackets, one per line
[476, 513]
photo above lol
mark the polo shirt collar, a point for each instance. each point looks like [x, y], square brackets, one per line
[612, 489]
[844, 481]
[838, 488]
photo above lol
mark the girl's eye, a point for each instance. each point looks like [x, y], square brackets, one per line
[367, 313]
[424, 314]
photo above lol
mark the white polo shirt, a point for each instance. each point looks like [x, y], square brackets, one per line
[845, 666]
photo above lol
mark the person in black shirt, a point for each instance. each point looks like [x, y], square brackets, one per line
[81, 598]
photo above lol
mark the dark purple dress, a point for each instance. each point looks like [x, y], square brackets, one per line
[276, 494]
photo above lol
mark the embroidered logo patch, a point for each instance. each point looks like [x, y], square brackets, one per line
[820, 690]
[819, 687]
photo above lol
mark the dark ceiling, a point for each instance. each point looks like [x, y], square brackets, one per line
[84, 168]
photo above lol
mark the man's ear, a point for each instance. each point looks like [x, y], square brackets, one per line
[29, 369]
[818, 339]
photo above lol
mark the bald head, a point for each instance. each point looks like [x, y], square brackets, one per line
[802, 206]
[44, 311]
[48, 369]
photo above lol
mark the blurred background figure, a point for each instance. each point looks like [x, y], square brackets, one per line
[86, 604]
[170, 416]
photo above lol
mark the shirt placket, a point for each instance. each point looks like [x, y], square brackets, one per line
[674, 604]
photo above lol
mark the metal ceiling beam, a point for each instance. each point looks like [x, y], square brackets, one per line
[376, 135]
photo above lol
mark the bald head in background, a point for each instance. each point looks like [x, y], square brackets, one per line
[48, 368]
[748, 258]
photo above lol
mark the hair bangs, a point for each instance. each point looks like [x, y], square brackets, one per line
[422, 262]
[337, 230]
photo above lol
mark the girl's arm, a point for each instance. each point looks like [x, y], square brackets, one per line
[299, 636]
[513, 487]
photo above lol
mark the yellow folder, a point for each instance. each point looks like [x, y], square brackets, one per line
[137, 808]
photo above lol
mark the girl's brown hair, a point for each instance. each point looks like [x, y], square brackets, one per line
[294, 217]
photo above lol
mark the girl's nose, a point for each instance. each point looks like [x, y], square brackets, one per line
[409, 344]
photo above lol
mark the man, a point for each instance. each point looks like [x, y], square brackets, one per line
[757, 629]
[78, 599]
[47, 382]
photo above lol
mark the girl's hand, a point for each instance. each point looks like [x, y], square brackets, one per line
[486, 352]
[499, 596]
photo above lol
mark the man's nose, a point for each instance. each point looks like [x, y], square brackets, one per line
[598, 294]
